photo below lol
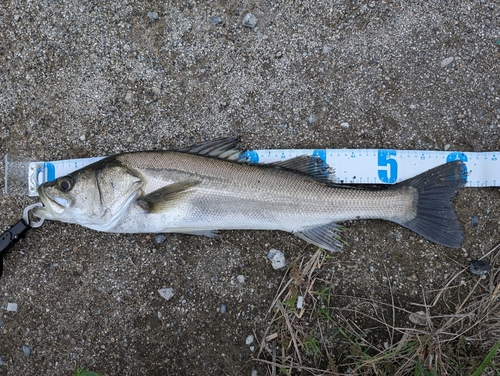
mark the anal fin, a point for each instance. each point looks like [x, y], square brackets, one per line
[323, 236]
[163, 198]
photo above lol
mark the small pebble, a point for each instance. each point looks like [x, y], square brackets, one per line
[327, 49]
[479, 267]
[396, 235]
[412, 106]
[12, 307]
[223, 308]
[419, 318]
[277, 258]
[130, 139]
[241, 278]
[83, 137]
[26, 350]
[249, 20]
[474, 221]
[447, 147]
[412, 278]
[447, 61]
[249, 339]
[160, 238]
[254, 372]
[129, 97]
[166, 293]
[153, 15]
[312, 119]
[344, 124]
[215, 20]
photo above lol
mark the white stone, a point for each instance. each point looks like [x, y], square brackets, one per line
[277, 258]
[12, 307]
[129, 97]
[166, 293]
[249, 339]
[249, 20]
[447, 61]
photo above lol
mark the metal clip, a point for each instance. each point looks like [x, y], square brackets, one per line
[26, 218]
[14, 233]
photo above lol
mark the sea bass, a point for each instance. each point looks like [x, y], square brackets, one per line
[202, 189]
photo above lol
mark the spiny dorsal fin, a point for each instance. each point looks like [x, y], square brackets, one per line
[224, 148]
[163, 198]
[310, 165]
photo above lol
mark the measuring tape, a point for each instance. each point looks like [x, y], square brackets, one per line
[386, 166]
[351, 166]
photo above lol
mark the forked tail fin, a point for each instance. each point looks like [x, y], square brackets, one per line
[435, 219]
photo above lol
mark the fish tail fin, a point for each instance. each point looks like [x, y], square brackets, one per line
[435, 217]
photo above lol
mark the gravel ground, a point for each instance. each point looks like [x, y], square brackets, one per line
[88, 78]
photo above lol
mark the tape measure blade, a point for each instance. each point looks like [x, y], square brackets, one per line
[351, 166]
[42, 172]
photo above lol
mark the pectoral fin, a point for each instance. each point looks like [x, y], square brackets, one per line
[163, 198]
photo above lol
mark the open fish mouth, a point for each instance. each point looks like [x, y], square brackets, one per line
[51, 205]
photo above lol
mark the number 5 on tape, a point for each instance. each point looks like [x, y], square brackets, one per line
[388, 166]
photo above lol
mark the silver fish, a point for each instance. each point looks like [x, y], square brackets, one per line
[201, 189]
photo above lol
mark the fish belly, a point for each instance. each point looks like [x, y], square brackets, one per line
[208, 210]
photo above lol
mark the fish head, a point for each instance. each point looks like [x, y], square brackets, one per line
[95, 196]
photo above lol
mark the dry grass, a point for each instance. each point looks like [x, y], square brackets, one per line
[320, 337]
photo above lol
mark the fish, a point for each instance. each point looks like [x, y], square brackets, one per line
[206, 188]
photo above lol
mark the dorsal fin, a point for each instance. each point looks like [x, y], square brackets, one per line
[224, 148]
[310, 165]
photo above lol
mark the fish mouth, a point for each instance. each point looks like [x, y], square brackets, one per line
[52, 205]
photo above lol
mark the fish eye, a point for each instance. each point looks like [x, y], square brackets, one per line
[65, 183]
